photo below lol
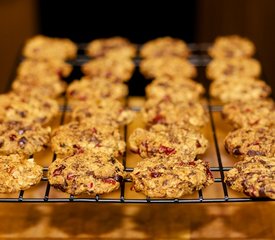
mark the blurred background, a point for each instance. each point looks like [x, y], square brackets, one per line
[82, 21]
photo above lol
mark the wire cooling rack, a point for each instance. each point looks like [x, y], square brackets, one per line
[216, 193]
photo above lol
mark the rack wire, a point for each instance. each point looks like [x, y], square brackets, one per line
[200, 60]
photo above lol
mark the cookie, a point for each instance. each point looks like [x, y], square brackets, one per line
[167, 66]
[253, 113]
[42, 47]
[18, 173]
[170, 177]
[235, 88]
[185, 114]
[177, 89]
[27, 109]
[39, 85]
[74, 137]
[256, 141]
[163, 141]
[254, 176]
[232, 46]
[116, 69]
[43, 67]
[23, 139]
[219, 69]
[106, 112]
[89, 89]
[165, 46]
[86, 173]
[111, 46]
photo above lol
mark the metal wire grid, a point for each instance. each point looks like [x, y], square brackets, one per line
[200, 60]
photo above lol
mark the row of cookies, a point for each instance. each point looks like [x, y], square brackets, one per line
[250, 113]
[89, 146]
[233, 71]
[26, 111]
[171, 142]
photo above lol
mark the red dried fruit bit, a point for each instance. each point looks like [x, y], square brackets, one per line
[155, 174]
[1, 143]
[109, 180]
[93, 130]
[21, 131]
[198, 144]
[22, 142]
[159, 119]
[78, 148]
[191, 163]
[91, 185]
[12, 137]
[72, 93]
[167, 150]
[60, 187]
[252, 153]
[209, 173]
[70, 176]
[58, 171]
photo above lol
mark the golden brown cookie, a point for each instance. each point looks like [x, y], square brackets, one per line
[167, 66]
[256, 141]
[86, 172]
[42, 47]
[254, 176]
[236, 88]
[111, 46]
[117, 69]
[170, 177]
[254, 113]
[165, 46]
[219, 69]
[18, 173]
[232, 46]
[74, 137]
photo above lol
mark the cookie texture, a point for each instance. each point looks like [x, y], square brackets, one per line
[165, 46]
[86, 173]
[111, 46]
[253, 113]
[251, 142]
[235, 88]
[232, 46]
[167, 66]
[42, 47]
[219, 69]
[18, 173]
[166, 141]
[189, 115]
[177, 89]
[116, 69]
[90, 89]
[74, 137]
[170, 177]
[24, 139]
[107, 112]
[254, 176]
[27, 109]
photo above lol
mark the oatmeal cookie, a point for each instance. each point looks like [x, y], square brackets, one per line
[106, 112]
[185, 114]
[178, 89]
[86, 172]
[114, 68]
[165, 46]
[75, 136]
[89, 89]
[167, 66]
[23, 139]
[18, 173]
[170, 177]
[42, 47]
[165, 141]
[253, 113]
[111, 46]
[27, 109]
[254, 176]
[251, 142]
[232, 46]
[219, 69]
[235, 88]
